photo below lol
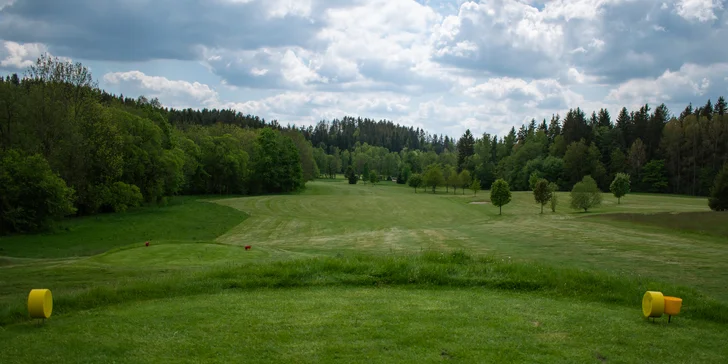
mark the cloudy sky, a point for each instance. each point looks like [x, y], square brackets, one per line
[445, 65]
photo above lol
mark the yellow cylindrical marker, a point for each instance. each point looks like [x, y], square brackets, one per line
[653, 304]
[672, 305]
[40, 303]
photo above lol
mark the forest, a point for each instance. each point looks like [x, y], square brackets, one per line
[70, 148]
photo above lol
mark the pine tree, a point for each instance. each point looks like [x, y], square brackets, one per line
[466, 148]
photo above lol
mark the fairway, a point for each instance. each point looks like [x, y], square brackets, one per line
[335, 218]
[329, 279]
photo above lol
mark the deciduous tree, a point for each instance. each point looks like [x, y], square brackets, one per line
[586, 194]
[620, 186]
[500, 194]
[464, 179]
[415, 181]
[475, 186]
[541, 192]
[433, 177]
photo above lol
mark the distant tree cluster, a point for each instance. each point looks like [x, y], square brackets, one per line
[649, 150]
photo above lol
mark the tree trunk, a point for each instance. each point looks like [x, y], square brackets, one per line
[619, 200]
[500, 210]
[542, 209]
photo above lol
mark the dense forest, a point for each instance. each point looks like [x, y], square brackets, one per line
[67, 147]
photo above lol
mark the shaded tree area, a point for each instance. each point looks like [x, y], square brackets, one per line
[67, 147]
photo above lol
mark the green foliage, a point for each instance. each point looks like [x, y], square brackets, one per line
[718, 200]
[466, 148]
[464, 179]
[500, 194]
[305, 152]
[542, 192]
[373, 177]
[415, 181]
[654, 176]
[117, 197]
[365, 173]
[433, 177]
[278, 166]
[586, 194]
[617, 161]
[533, 178]
[475, 186]
[553, 187]
[620, 186]
[32, 197]
[351, 176]
[124, 196]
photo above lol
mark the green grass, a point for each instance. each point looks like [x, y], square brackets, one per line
[423, 276]
[364, 325]
[185, 218]
[707, 223]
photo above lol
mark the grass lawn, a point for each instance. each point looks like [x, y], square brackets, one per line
[185, 218]
[552, 287]
[364, 325]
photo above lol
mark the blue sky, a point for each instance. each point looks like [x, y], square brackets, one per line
[444, 65]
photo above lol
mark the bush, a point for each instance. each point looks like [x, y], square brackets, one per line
[351, 175]
[32, 197]
[719, 193]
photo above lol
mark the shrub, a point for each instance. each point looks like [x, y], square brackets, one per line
[719, 193]
[32, 197]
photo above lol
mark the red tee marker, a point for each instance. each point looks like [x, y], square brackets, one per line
[147, 243]
[247, 247]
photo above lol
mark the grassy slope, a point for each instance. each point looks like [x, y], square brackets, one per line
[335, 219]
[184, 219]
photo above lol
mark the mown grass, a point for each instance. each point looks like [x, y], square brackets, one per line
[426, 270]
[364, 325]
[185, 218]
[395, 262]
[707, 223]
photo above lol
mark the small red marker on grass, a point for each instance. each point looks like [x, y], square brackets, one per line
[147, 243]
[247, 247]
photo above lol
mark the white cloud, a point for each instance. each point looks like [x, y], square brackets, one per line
[443, 65]
[164, 88]
[700, 10]
[4, 3]
[689, 82]
[21, 56]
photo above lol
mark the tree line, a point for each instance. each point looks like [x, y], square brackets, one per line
[67, 148]
[661, 152]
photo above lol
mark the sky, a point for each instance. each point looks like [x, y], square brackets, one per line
[442, 65]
